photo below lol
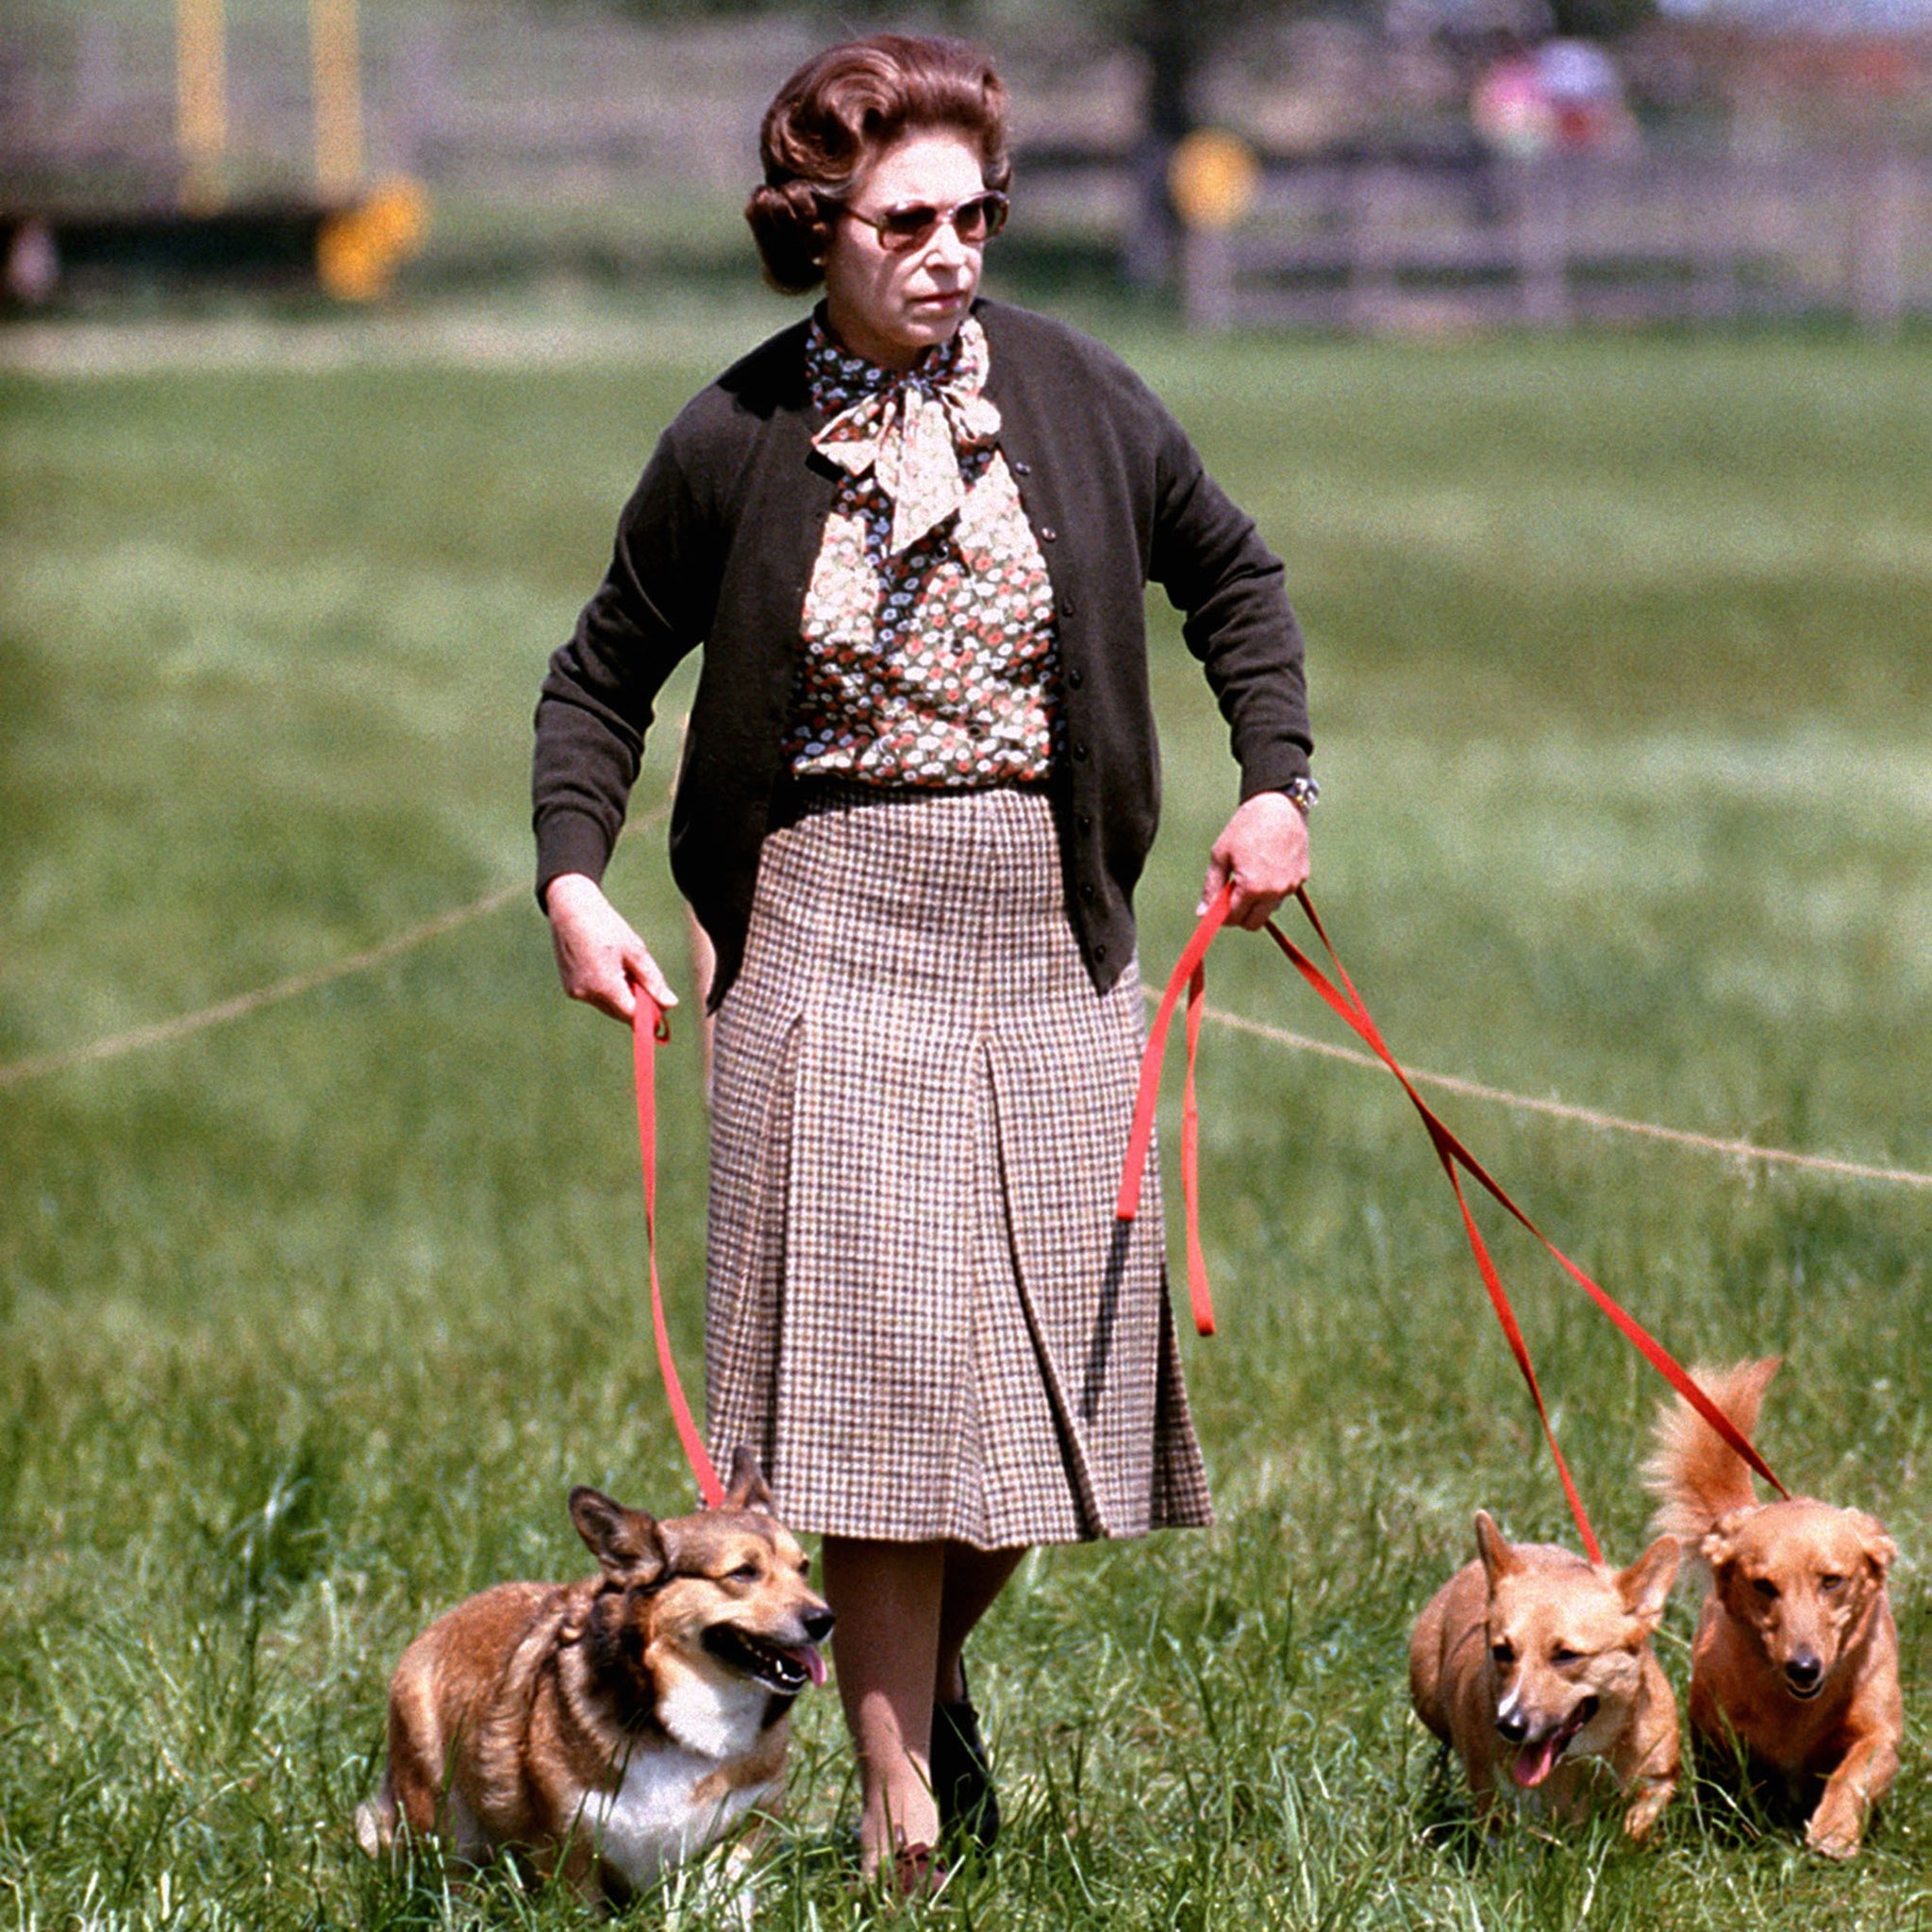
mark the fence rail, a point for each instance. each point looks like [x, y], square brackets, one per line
[1554, 242]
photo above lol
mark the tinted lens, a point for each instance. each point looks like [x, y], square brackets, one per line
[981, 218]
[907, 227]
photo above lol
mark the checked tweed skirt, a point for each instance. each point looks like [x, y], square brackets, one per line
[921, 1311]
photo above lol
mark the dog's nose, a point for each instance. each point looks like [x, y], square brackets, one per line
[1804, 1670]
[818, 1624]
[1512, 1726]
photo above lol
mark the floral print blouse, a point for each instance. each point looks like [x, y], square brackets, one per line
[930, 657]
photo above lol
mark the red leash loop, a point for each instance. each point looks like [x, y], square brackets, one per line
[1188, 972]
[649, 1029]
[1450, 1151]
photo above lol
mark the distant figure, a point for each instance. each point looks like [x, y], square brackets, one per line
[911, 534]
[1565, 96]
[1512, 109]
[1586, 93]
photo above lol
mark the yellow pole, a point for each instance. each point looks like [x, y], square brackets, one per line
[201, 101]
[336, 58]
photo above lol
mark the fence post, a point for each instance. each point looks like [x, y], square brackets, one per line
[1210, 183]
[1207, 278]
[1712, 204]
[422, 102]
[1542, 245]
[1881, 220]
[1372, 246]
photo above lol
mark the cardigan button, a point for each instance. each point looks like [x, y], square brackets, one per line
[1076, 676]
[1100, 949]
[1023, 469]
[1087, 892]
[1048, 534]
[1084, 820]
[1079, 754]
[1068, 608]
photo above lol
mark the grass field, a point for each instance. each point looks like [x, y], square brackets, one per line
[1621, 659]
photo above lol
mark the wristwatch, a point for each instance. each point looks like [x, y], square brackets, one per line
[1303, 792]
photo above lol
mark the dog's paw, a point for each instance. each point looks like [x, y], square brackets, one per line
[374, 1827]
[1643, 1814]
[1833, 1837]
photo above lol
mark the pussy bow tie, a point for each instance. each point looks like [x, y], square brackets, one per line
[912, 432]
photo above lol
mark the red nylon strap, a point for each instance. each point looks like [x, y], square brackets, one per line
[1188, 972]
[648, 1028]
[1356, 1015]
[1190, 1160]
[1450, 1151]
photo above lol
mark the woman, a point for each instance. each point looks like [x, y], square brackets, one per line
[920, 781]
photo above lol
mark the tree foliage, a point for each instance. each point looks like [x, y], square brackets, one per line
[1150, 24]
[1602, 20]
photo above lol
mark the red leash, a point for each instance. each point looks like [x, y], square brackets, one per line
[650, 1028]
[1191, 970]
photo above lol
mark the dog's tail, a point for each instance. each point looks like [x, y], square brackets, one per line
[1694, 1473]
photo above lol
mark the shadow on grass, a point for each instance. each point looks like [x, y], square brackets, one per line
[1443, 1817]
[1739, 1804]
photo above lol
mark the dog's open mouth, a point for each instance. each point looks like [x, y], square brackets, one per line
[784, 1669]
[1537, 1759]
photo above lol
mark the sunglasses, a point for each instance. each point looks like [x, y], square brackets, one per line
[902, 229]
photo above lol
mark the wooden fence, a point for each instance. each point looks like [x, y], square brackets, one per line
[1550, 243]
[576, 109]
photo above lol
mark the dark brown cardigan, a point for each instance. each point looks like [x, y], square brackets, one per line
[716, 544]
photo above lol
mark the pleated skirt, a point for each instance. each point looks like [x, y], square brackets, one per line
[921, 1311]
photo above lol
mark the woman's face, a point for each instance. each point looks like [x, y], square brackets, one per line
[888, 308]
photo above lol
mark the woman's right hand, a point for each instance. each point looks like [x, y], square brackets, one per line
[600, 960]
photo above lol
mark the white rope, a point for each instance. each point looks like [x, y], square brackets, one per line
[1556, 1109]
[162, 1032]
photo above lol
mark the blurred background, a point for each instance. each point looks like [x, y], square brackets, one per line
[1345, 164]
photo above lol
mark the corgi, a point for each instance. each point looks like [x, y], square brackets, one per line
[1796, 1653]
[1533, 1663]
[608, 1729]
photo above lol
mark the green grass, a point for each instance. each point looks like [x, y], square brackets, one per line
[1621, 657]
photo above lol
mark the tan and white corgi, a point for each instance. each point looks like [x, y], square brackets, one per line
[609, 1728]
[1535, 1664]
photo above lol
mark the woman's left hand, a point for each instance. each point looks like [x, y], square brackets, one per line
[1264, 850]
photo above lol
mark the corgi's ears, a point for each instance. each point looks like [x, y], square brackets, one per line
[1876, 1546]
[624, 1541]
[1645, 1587]
[747, 1488]
[1499, 1560]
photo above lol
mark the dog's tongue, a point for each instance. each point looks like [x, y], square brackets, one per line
[1535, 1762]
[805, 1656]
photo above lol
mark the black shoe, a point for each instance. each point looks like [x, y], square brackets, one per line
[961, 1777]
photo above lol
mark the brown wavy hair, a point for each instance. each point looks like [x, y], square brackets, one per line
[832, 120]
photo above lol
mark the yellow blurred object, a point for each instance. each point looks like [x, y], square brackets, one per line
[201, 102]
[1212, 179]
[360, 248]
